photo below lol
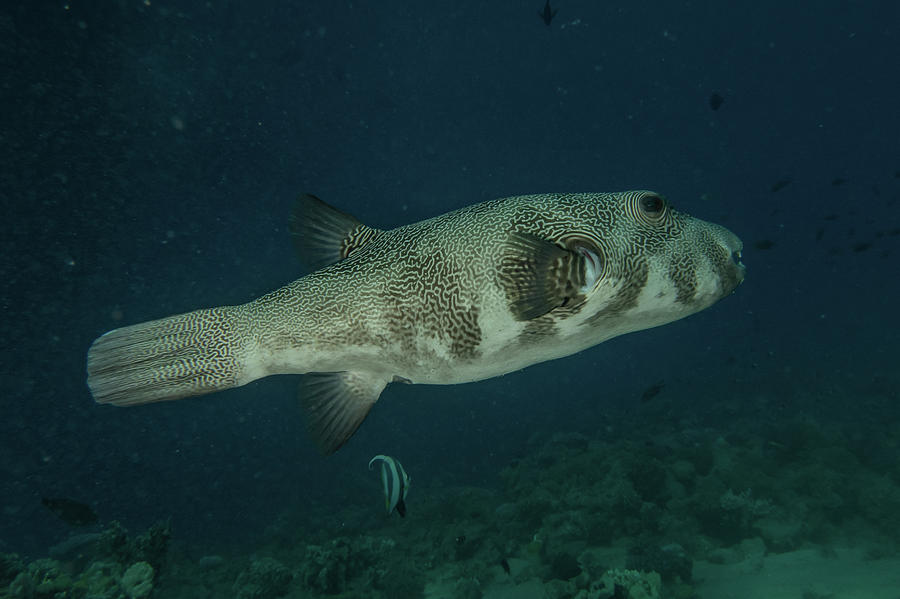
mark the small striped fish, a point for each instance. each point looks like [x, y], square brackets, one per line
[395, 481]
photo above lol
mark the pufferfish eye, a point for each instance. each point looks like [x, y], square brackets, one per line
[652, 205]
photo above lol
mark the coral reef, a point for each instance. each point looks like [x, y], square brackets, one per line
[467, 588]
[137, 581]
[10, 566]
[101, 580]
[669, 561]
[150, 546]
[573, 518]
[628, 584]
[42, 578]
[105, 565]
[363, 562]
[264, 578]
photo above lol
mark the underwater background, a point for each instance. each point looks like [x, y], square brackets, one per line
[151, 153]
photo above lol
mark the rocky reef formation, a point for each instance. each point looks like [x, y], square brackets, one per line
[574, 517]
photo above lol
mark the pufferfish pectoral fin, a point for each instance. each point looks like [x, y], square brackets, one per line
[323, 234]
[336, 403]
[539, 276]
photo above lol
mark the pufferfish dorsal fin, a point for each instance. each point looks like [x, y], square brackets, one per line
[323, 234]
[539, 276]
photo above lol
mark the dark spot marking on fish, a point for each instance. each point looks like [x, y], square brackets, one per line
[652, 391]
[716, 101]
[431, 301]
[356, 239]
[638, 274]
[70, 511]
[723, 263]
[683, 273]
[764, 244]
[466, 334]
[537, 330]
[539, 277]
[781, 184]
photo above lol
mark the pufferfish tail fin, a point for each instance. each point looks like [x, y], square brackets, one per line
[189, 354]
[323, 234]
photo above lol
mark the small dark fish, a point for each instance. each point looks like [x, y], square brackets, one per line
[505, 565]
[862, 246]
[838, 181]
[781, 184]
[652, 391]
[715, 101]
[70, 511]
[830, 217]
[820, 233]
[764, 244]
[547, 14]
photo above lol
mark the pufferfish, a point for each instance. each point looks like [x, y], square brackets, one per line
[468, 295]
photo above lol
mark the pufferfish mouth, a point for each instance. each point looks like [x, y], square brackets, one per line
[736, 261]
[733, 245]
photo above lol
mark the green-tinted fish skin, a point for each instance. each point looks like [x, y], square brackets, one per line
[467, 295]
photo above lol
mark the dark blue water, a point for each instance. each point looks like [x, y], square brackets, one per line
[150, 154]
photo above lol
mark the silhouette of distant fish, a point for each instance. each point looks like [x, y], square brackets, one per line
[70, 511]
[715, 101]
[547, 13]
[652, 391]
[781, 184]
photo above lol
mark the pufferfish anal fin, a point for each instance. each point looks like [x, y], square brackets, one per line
[323, 234]
[336, 403]
[539, 276]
